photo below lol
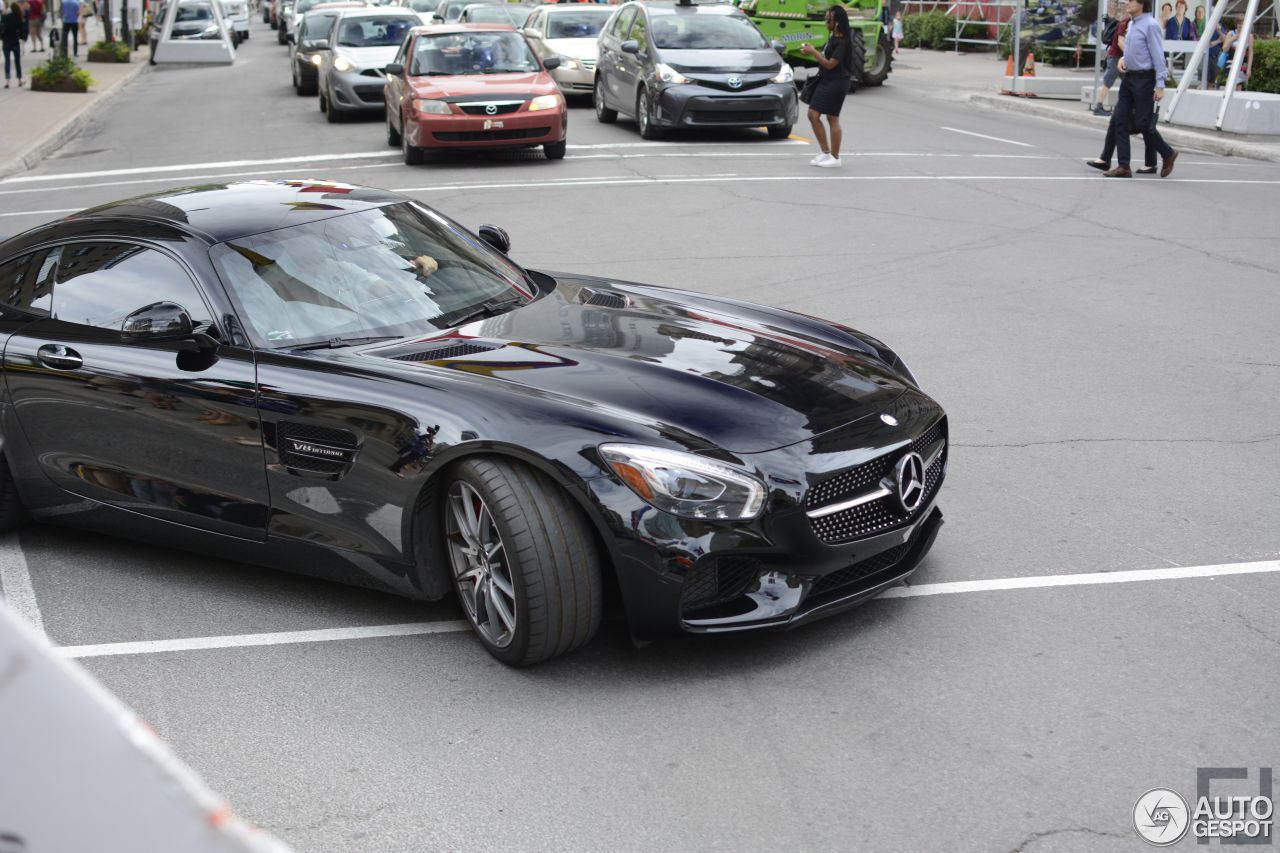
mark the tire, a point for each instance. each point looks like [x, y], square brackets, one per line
[245, 37]
[540, 548]
[604, 115]
[644, 119]
[413, 155]
[332, 113]
[393, 135]
[858, 57]
[12, 515]
[882, 66]
[324, 103]
[780, 132]
[280, 36]
[554, 150]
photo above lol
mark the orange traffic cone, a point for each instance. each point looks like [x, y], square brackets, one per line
[1008, 68]
[1031, 66]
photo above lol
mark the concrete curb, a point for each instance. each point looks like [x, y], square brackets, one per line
[67, 130]
[1212, 143]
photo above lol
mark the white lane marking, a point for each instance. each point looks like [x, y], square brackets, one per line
[322, 635]
[671, 144]
[15, 583]
[191, 167]
[1087, 579]
[42, 212]
[279, 638]
[984, 136]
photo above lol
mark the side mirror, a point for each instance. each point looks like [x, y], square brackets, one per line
[551, 63]
[630, 46]
[780, 46]
[395, 69]
[159, 321]
[495, 237]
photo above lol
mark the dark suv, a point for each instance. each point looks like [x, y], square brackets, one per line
[682, 64]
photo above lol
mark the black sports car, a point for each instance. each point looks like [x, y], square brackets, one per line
[339, 381]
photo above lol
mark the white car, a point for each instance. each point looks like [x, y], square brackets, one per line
[569, 30]
[236, 14]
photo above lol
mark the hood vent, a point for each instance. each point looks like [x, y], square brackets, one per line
[448, 349]
[587, 296]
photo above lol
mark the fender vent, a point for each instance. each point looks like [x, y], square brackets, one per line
[453, 349]
[306, 448]
[587, 296]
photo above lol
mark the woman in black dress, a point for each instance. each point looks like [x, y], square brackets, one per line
[834, 74]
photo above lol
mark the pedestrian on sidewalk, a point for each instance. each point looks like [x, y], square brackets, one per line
[897, 33]
[71, 25]
[86, 12]
[35, 25]
[13, 32]
[1144, 71]
[1115, 50]
[835, 70]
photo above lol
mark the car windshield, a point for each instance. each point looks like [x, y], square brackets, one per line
[394, 271]
[706, 32]
[472, 53]
[496, 14]
[578, 24]
[318, 25]
[423, 5]
[453, 10]
[192, 12]
[375, 32]
[302, 6]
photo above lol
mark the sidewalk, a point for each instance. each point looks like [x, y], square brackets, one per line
[977, 78]
[38, 123]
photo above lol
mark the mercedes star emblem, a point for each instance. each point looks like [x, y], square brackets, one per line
[491, 109]
[910, 476]
[889, 419]
[735, 82]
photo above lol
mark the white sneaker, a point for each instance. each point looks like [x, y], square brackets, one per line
[820, 159]
[830, 163]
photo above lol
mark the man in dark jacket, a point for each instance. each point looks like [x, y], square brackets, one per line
[13, 32]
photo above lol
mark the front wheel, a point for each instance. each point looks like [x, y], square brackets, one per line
[413, 155]
[783, 132]
[554, 150]
[604, 115]
[524, 564]
[11, 512]
[644, 117]
[393, 135]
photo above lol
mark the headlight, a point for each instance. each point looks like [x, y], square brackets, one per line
[210, 31]
[786, 75]
[343, 64]
[667, 74]
[316, 59]
[545, 102]
[684, 484]
[568, 64]
[438, 108]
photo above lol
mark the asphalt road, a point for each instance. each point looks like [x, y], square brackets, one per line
[1107, 352]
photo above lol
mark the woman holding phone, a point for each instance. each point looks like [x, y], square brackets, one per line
[834, 72]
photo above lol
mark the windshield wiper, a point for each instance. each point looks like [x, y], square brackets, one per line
[489, 308]
[335, 343]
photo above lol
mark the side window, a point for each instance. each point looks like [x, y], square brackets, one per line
[26, 285]
[639, 32]
[99, 284]
[403, 51]
[623, 22]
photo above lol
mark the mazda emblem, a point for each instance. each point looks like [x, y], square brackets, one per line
[910, 476]
[491, 109]
[735, 82]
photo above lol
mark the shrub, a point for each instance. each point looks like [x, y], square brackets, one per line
[119, 50]
[1265, 74]
[932, 30]
[61, 74]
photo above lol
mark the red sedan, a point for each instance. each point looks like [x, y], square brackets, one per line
[472, 86]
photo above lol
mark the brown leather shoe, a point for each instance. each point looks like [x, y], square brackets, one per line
[1118, 172]
[1166, 168]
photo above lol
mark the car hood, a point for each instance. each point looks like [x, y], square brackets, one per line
[368, 57]
[483, 85]
[722, 61]
[701, 368]
[575, 48]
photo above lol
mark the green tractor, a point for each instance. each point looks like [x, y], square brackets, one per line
[795, 22]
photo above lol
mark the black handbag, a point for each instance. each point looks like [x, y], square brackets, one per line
[810, 86]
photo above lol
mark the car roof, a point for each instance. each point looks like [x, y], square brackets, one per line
[707, 7]
[379, 12]
[466, 27]
[221, 212]
[552, 8]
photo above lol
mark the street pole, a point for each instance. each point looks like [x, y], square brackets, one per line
[1099, 51]
[1017, 46]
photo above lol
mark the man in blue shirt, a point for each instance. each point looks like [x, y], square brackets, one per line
[1144, 71]
[71, 25]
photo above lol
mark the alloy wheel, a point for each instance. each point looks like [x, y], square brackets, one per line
[642, 113]
[481, 572]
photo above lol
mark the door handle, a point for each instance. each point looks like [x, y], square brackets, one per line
[59, 357]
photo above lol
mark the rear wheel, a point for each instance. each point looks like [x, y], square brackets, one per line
[858, 58]
[554, 150]
[11, 512]
[644, 117]
[524, 564]
[604, 115]
[882, 65]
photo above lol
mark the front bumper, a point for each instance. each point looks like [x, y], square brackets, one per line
[508, 130]
[696, 105]
[357, 90]
[800, 560]
[576, 81]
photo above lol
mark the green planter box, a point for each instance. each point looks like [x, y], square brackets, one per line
[67, 85]
[97, 55]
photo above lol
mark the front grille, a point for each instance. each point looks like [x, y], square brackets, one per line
[851, 575]
[730, 116]
[879, 515]
[369, 94]
[588, 64]
[482, 109]
[724, 86]
[717, 581]
[492, 135]
[457, 349]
